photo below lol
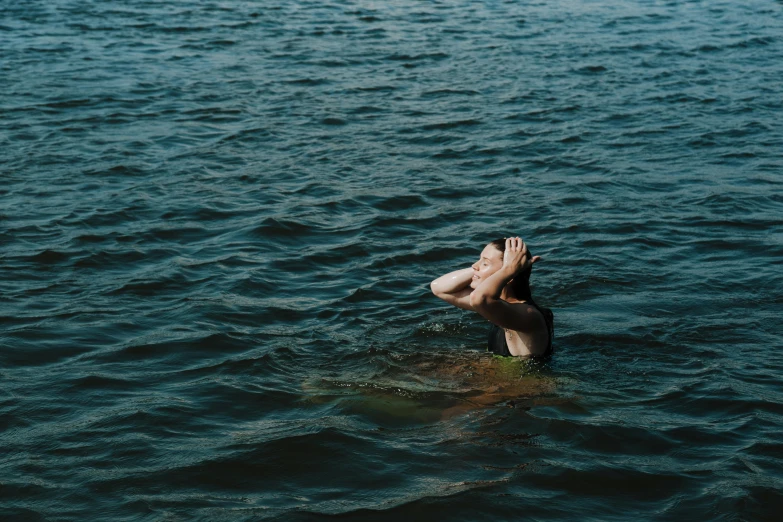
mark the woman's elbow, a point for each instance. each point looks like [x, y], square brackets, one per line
[478, 299]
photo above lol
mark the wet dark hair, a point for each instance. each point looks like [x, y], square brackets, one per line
[520, 285]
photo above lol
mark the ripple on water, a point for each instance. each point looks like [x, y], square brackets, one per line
[221, 222]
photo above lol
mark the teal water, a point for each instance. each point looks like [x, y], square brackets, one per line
[220, 220]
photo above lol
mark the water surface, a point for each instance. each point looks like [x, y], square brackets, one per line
[220, 220]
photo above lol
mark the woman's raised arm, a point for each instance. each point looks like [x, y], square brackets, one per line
[454, 287]
[486, 298]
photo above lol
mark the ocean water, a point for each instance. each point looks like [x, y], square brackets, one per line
[219, 222]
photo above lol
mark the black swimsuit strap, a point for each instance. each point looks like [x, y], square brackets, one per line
[497, 341]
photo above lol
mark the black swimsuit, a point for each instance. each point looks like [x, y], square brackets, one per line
[497, 338]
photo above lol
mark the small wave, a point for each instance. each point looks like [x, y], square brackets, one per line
[449, 153]
[367, 109]
[417, 57]
[452, 124]
[592, 69]
[396, 202]
[308, 82]
[333, 121]
[173, 347]
[71, 104]
[101, 382]
[442, 93]
[432, 139]
[118, 170]
[377, 88]
[282, 228]
[757, 41]
[156, 285]
[111, 259]
[179, 29]
[50, 257]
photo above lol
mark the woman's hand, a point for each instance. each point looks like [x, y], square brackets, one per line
[516, 258]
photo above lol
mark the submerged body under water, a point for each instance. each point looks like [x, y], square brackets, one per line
[437, 386]
[219, 221]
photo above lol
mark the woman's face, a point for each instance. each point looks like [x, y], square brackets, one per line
[490, 262]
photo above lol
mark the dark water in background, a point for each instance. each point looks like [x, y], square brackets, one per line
[220, 219]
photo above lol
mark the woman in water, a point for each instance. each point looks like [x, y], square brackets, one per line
[497, 286]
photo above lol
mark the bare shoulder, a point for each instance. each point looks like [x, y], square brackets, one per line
[530, 316]
[527, 308]
[517, 316]
[531, 337]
